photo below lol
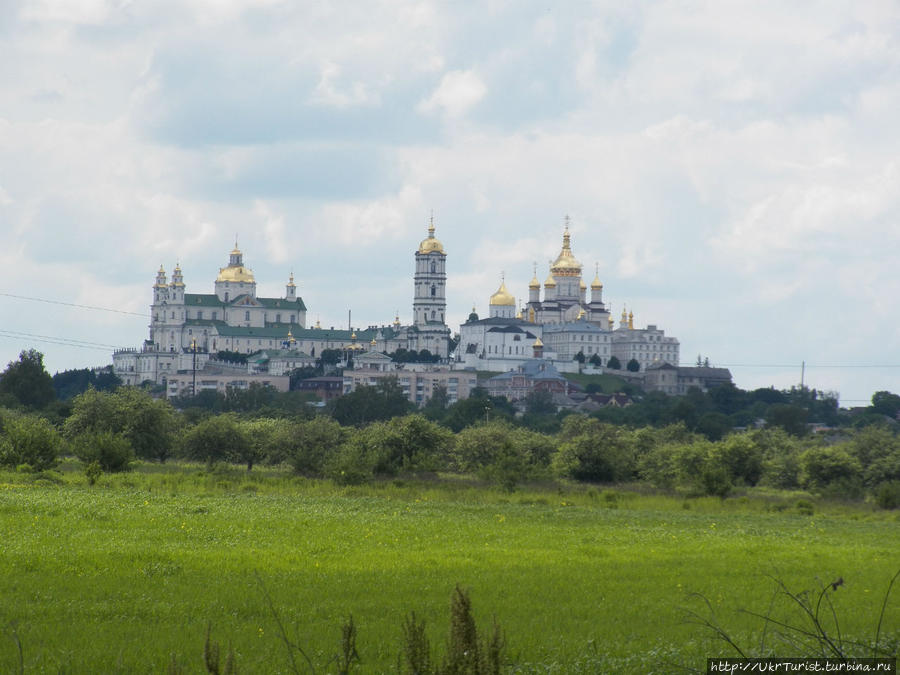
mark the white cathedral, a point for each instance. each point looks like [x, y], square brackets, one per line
[187, 329]
[559, 327]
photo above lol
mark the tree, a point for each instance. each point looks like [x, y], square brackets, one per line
[540, 403]
[313, 443]
[579, 357]
[633, 366]
[886, 403]
[590, 450]
[28, 381]
[406, 444]
[370, 404]
[614, 363]
[70, 383]
[436, 407]
[216, 439]
[29, 441]
[595, 360]
[791, 418]
[148, 424]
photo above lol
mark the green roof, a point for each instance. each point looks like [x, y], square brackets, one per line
[212, 300]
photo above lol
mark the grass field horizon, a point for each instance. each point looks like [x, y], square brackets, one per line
[119, 576]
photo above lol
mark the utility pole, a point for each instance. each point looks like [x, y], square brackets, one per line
[194, 374]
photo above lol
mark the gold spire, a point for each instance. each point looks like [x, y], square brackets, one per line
[550, 282]
[397, 319]
[537, 343]
[631, 320]
[291, 280]
[318, 325]
[534, 284]
[580, 314]
[430, 244]
[566, 265]
[623, 322]
[595, 284]
[373, 343]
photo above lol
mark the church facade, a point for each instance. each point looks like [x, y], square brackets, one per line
[187, 330]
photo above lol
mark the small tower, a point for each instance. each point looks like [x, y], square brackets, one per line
[176, 288]
[160, 288]
[534, 288]
[290, 291]
[538, 348]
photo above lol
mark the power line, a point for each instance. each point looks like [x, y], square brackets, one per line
[52, 339]
[72, 304]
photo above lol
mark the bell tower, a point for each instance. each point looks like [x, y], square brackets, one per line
[430, 282]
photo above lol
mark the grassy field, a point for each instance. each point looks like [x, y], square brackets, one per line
[119, 576]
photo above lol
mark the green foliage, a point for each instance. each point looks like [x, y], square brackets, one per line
[148, 424]
[92, 472]
[467, 654]
[540, 402]
[590, 450]
[633, 366]
[821, 467]
[886, 403]
[216, 439]
[111, 452]
[740, 458]
[70, 383]
[405, 444]
[791, 418]
[614, 363]
[27, 381]
[370, 404]
[887, 495]
[878, 451]
[310, 444]
[478, 408]
[502, 454]
[352, 463]
[29, 441]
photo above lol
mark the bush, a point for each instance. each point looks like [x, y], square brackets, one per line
[112, 452]
[351, 464]
[593, 451]
[216, 439]
[406, 444]
[30, 441]
[502, 454]
[887, 495]
[819, 467]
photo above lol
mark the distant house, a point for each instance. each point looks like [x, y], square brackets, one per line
[534, 375]
[677, 380]
[325, 388]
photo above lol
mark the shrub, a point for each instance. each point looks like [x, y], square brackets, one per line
[820, 467]
[593, 451]
[502, 454]
[112, 452]
[407, 444]
[216, 439]
[351, 464]
[887, 495]
[30, 441]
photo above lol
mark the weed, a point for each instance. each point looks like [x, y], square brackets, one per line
[211, 657]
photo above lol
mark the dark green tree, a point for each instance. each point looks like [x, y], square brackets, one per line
[595, 360]
[633, 366]
[580, 358]
[27, 380]
[614, 363]
[370, 404]
[886, 403]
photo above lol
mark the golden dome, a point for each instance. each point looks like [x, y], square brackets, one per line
[565, 264]
[538, 343]
[503, 297]
[582, 285]
[534, 283]
[430, 244]
[550, 282]
[237, 274]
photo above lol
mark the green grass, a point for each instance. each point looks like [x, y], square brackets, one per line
[121, 575]
[610, 384]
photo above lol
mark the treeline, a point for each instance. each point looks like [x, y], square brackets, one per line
[374, 432]
[108, 430]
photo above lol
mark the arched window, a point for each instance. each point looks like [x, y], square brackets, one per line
[433, 267]
[433, 291]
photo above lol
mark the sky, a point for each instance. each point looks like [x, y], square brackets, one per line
[731, 168]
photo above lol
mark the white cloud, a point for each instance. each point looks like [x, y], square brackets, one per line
[458, 91]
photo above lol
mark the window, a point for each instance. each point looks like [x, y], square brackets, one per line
[247, 315]
[433, 268]
[199, 313]
[433, 290]
[278, 318]
[215, 315]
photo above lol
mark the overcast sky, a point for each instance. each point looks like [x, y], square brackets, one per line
[733, 168]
